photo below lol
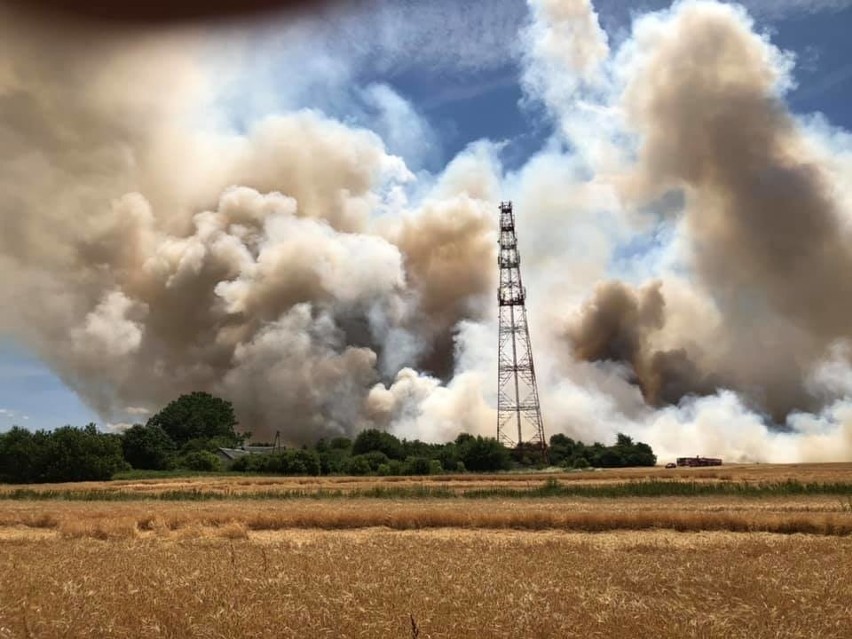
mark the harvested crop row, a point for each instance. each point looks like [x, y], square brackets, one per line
[108, 520]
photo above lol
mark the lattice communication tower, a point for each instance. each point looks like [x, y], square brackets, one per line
[518, 411]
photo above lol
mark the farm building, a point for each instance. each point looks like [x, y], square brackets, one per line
[229, 455]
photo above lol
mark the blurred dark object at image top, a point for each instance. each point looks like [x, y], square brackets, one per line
[165, 11]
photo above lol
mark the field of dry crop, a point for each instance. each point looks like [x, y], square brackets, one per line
[454, 584]
[236, 485]
[715, 565]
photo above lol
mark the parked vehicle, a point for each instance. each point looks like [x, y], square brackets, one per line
[698, 461]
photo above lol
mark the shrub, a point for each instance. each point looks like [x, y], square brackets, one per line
[305, 461]
[201, 460]
[357, 466]
[288, 462]
[333, 461]
[482, 453]
[375, 459]
[417, 466]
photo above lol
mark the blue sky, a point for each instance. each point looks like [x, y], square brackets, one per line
[465, 94]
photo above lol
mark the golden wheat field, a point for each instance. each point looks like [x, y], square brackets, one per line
[352, 566]
[230, 485]
[373, 582]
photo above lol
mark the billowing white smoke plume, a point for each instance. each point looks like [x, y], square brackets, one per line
[745, 292]
[283, 268]
[684, 240]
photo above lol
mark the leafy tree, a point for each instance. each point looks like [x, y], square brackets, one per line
[82, 454]
[416, 448]
[375, 458]
[340, 443]
[448, 456]
[417, 466]
[357, 465]
[66, 454]
[198, 416]
[563, 449]
[624, 453]
[482, 454]
[332, 461]
[378, 440]
[634, 453]
[306, 460]
[610, 457]
[21, 457]
[148, 447]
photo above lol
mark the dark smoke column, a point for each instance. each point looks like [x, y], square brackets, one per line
[517, 392]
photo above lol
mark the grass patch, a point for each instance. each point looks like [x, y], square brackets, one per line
[134, 475]
[550, 488]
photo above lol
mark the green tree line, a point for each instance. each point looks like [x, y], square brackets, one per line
[187, 434]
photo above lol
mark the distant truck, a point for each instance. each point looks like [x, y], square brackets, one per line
[693, 462]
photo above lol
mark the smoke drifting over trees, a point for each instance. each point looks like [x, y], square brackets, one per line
[301, 270]
[146, 259]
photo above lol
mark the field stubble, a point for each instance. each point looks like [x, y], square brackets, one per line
[370, 582]
[821, 515]
[526, 566]
[235, 486]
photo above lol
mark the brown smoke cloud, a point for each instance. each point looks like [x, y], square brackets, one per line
[619, 324]
[294, 268]
[762, 217]
[763, 227]
[449, 250]
[143, 258]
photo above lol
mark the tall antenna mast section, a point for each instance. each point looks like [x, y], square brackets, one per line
[519, 423]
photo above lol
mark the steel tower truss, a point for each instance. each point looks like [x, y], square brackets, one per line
[518, 410]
